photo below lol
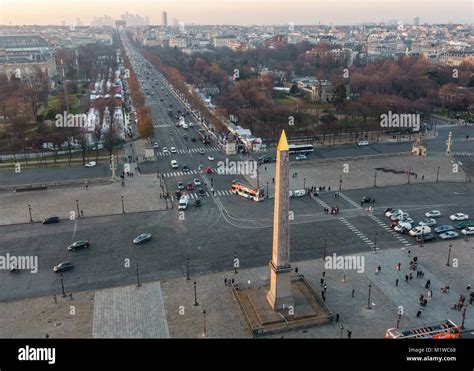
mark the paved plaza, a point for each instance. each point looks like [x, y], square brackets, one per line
[140, 193]
[359, 173]
[166, 308]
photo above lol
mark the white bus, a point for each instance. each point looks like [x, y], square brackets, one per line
[300, 148]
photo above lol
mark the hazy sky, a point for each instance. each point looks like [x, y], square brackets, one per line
[241, 12]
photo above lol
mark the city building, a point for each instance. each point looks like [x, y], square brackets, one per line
[164, 19]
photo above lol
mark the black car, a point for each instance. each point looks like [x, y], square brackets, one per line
[193, 139]
[62, 267]
[185, 168]
[177, 195]
[426, 237]
[201, 192]
[197, 203]
[82, 244]
[264, 159]
[51, 220]
[367, 199]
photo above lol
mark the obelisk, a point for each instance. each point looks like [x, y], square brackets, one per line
[279, 296]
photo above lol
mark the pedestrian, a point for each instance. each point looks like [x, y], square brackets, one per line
[349, 334]
[329, 189]
[428, 284]
[325, 288]
[324, 273]
[422, 177]
[232, 281]
[322, 281]
[82, 213]
[396, 282]
[430, 294]
[225, 281]
[87, 187]
[273, 180]
[335, 195]
[353, 292]
[418, 314]
[55, 299]
[398, 266]
[410, 276]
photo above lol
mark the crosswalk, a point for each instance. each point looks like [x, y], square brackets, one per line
[162, 126]
[384, 225]
[358, 233]
[321, 202]
[173, 174]
[462, 153]
[190, 150]
[350, 201]
[195, 195]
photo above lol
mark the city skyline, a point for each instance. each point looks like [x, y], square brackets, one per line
[263, 12]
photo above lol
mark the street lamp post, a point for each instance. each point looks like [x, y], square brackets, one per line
[399, 316]
[138, 277]
[29, 210]
[463, 316]
[437, 175]
[77, 205]
[375, 243]
[267, 191]
[324, 250]
[204, 334]
[62, 285]
[340, 182]
[187, 269]
[375, 179]
[123, 207]
[195, 295]
[304, 183]
[342, 330]
[449, 256]
[368, 300]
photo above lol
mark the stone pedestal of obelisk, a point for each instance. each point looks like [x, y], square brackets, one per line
[279, 296]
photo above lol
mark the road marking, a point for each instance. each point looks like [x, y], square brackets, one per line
[356, 231]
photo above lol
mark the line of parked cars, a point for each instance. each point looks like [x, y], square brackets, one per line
[428, 228]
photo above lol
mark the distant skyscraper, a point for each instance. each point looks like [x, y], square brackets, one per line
[164, 19]
[416, 21]
[175, 22]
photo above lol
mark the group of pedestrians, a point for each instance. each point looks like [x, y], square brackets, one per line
[332, 210]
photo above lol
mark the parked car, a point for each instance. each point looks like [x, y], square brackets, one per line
[81, 244]
[62, 267]
[391, 212]
[419, 230]
[433, 214]
[426, 237]
[448, 235]
[465, 224]
[51, 220]
[299, 193]
[430, 222]
[301, 157]
[444, 228]
[459, 216]
[363, 143]
[468, 231]
[403, 227]
[91, 164]
[142, 238]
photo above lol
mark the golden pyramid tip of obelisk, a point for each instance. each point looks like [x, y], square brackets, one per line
[283, 143]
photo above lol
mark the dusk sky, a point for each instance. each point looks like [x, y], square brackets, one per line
[240, 12]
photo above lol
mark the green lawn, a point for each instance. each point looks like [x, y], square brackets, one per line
[286, 101]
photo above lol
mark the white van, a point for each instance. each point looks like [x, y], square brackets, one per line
[174, 164]
[419, 230]
[183, 203]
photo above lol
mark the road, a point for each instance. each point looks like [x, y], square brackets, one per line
[210, 235]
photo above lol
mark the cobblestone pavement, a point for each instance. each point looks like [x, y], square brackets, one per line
[361, 172]
[130, 312]
[166, 308]
[38, 317]
[141, 193]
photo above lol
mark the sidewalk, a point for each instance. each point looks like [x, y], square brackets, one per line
[362, 173]
[141, 193]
